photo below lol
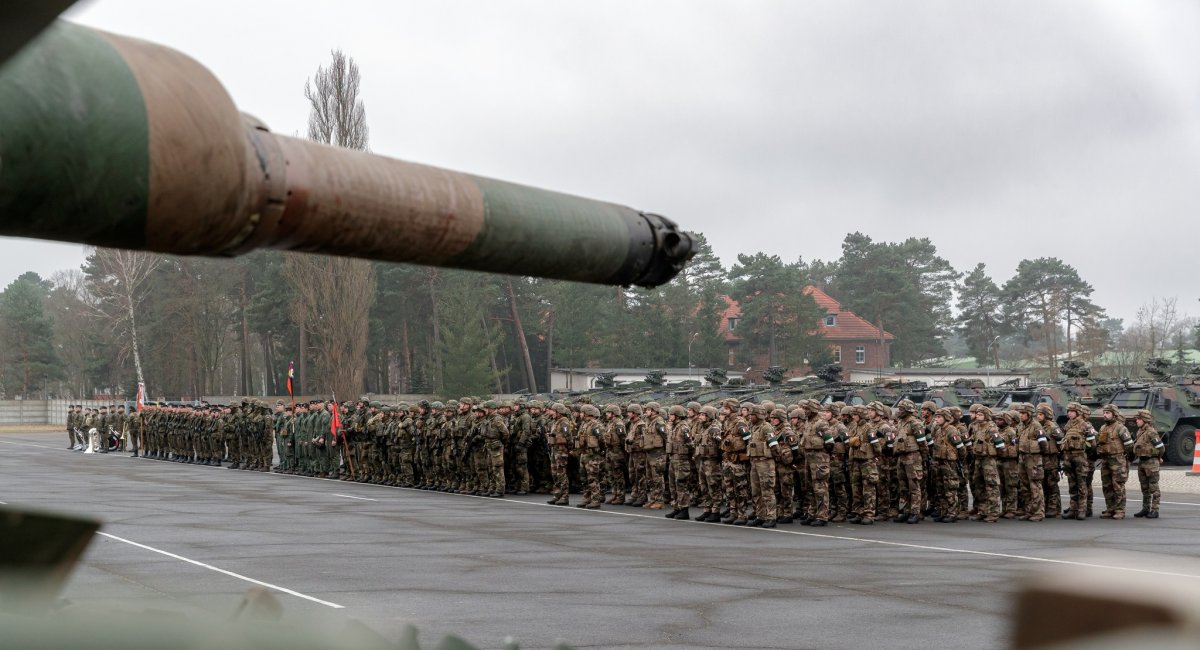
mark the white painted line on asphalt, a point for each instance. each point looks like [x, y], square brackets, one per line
[865, 540]
[29, 444]
[354, 497]
[3, 503]
[1134, 502]
[228, 573]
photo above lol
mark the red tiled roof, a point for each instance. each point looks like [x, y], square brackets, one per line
[850, 326]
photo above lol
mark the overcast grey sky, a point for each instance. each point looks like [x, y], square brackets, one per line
[1002, 130]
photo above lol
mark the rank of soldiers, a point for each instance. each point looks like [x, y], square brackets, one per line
[743, 464]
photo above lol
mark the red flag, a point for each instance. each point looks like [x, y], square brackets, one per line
[291, 376]
[336, 422]
[141, 396]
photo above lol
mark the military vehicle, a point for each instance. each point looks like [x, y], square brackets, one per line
[1174, 401]
[1076, 386]
[718, 387]
[114, 141]
[960, 392]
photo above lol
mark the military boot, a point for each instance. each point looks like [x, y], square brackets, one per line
[1153, 514]
[770, 523]
[683, 515]
[1141, 513]
[671, 515]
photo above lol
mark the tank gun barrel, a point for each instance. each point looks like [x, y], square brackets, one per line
[114, 141]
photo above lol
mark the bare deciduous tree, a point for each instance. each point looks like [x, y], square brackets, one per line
[334, 295]
[117, 279]
[1158, 321]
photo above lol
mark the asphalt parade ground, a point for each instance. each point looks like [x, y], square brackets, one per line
[185, 538]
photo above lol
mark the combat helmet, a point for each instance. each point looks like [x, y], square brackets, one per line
[906, 406]
[678, 411]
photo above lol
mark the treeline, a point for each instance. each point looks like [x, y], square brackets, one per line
[199, 326]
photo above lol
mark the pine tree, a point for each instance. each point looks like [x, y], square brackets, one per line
[467, 346]
[29, 359]
[981, 316]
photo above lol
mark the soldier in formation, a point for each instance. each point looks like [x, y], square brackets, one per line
[743, 464]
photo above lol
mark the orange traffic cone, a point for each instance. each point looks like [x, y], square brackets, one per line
[1196, 457]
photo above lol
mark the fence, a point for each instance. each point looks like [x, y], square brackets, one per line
[37, 411]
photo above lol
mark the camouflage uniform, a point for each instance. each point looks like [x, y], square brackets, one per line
[816, 441]
[946, 446]
[839, 461]
[559, 436]
[866, 446]
[590, 443]
[1032, 445]
[1010, 467]
[1113, 443]
[637, 456]
[496, 435]
[679, 450]
[708, 459]
[910, 470]
[734, 466]
[1051, 461]
[986, 445]
[786, 453]
[522, 440]
[615, 458]
[762, 468]
[1148, 447]
[1078, 438]
[653, 444]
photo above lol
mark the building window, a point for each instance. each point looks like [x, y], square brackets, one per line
[831, 320]
[860, 354]
[733, 323]
[837, 354]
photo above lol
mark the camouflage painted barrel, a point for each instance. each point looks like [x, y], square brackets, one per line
[114, 141]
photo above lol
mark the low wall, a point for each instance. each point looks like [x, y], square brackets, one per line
[36, 411]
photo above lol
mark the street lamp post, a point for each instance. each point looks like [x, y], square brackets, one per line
[690, 341]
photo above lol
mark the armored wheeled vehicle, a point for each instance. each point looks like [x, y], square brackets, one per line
[1174, 401]
[1076, 386]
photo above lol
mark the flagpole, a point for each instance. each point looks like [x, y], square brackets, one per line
[336, 423]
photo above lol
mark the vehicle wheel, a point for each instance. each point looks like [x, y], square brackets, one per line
[1182, 445]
